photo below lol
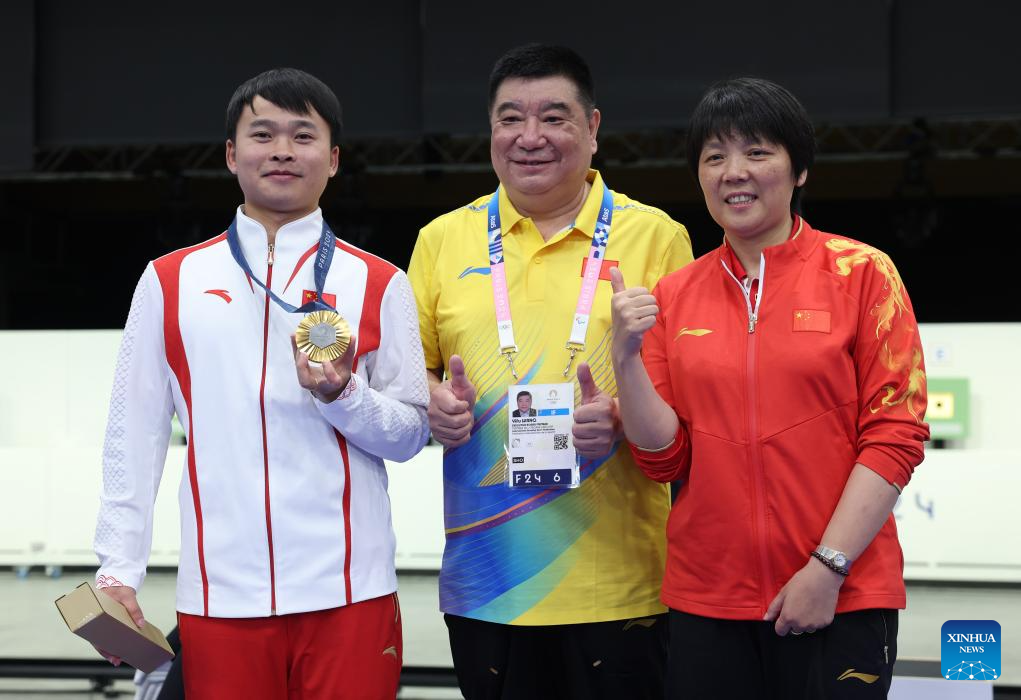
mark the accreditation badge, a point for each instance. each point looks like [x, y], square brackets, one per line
[540, 445]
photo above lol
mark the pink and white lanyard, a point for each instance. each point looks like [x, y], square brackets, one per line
[583, 310]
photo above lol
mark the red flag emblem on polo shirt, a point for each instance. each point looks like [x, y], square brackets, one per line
[309, 295]
[812, 320]
[604, 271]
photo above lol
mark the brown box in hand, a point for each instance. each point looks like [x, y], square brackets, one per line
[100, 619]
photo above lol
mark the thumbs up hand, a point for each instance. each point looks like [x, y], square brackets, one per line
[459, 384]
[450, 407]
[596, 420]
[633, 312]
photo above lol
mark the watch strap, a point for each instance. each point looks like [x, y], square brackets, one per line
[842, 570]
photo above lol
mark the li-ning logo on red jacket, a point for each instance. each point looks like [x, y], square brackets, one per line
[697, 332]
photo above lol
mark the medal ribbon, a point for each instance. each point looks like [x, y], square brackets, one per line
[583, 310]
[324, 256]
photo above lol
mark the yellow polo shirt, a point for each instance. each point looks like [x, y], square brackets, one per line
[534, 556]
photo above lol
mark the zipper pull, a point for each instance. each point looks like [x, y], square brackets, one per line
[886, 654]
[752, 319]
[269, 258]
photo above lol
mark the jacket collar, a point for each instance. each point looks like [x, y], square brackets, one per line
[585, 222]
[292, 240]
[798, 247]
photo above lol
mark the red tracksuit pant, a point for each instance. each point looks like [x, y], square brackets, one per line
[350, 652]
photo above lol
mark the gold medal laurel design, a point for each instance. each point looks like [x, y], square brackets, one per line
[328, 351]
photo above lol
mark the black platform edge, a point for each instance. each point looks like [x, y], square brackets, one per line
[930, 668]
[942, 583]
[97, 670]
[917, 668]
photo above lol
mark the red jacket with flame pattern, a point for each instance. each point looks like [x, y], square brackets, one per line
[776, 408]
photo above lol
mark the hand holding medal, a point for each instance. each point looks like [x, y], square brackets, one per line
[328, 379]
[323, 336]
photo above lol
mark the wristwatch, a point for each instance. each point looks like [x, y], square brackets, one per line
[833, 558]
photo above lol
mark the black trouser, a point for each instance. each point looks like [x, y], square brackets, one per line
[623, 659]
[173, 686]
[715, 659]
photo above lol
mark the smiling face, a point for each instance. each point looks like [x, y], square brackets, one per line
[524, 403]
[747, 184]
[282, 161]
[542, 141]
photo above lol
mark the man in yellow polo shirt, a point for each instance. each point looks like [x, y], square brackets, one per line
[553, 563]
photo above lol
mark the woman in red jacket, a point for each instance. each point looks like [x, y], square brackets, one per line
[781, 381]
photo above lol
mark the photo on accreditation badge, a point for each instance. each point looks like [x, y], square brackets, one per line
[540, 447]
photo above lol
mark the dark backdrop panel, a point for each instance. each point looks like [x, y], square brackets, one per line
[652, 60]
[17, 76]
[957, 58]
[128, 72]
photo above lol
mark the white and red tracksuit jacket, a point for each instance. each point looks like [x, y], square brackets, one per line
[283, 499]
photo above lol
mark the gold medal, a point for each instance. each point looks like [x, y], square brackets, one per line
[323, 336]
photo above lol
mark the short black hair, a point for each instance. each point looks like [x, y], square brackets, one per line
[544, 61]
[290, 89]
[754, 108]
[523, 393]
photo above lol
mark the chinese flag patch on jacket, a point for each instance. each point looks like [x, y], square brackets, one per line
[812, 320]
[309, 295]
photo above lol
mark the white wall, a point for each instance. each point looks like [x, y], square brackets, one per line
[53, 416]
[986, 354]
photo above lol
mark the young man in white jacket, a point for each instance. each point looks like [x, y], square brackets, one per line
[287, 547]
